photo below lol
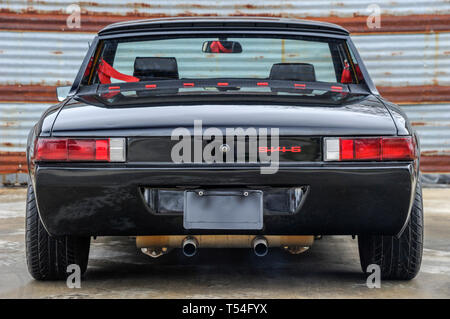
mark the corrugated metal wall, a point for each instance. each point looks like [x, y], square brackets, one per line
[432, 121]
[304, 8]
[408, 57]
[393, 60]
[43, 58]
[400, 15]
[17, 120]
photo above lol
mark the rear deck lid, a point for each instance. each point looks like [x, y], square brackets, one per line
[150, 127]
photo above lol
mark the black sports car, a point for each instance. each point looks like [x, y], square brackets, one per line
[224, 132]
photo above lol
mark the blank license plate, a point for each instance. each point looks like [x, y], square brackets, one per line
[223, 209]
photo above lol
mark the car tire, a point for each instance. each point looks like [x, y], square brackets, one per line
[398, 258]
[47, 256]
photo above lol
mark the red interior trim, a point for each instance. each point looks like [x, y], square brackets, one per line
[106, 72]
[217, 47]
[336, 88]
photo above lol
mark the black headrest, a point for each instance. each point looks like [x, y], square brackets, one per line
[155, 68]
[293, 72]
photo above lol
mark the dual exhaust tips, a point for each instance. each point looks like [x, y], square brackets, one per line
[259, 244]
[158, 245]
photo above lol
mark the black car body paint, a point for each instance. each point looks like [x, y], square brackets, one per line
[107, 198]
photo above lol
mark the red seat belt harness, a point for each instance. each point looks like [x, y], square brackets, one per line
[346, 77]
[217, 47]
[106, 72]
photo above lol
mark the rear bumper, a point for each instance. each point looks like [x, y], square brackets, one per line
[341, 199]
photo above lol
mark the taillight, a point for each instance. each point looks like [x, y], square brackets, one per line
[80, 150]
[369, 149]
[398, 148]
[51, 149]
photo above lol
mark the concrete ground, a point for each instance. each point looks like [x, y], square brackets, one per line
[330, 269]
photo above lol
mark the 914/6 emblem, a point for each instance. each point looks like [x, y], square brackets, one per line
[283, 149]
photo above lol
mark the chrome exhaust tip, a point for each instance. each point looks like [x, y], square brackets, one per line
[260, 246]
[189, 246]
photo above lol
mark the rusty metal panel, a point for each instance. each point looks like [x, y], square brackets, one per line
[43, 58]
[53, 58]
[13, 179]
[397, 16]
[12, 163]
[432, 122]
[304, 8]
[92, 22]
[16, 120]
[406, 59]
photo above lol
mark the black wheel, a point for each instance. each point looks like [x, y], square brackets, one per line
[398, 258]
[47, 256]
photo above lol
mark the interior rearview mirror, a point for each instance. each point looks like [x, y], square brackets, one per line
[62, 92]
[221, 46]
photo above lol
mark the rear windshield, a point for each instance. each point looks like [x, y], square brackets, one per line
[221, 64]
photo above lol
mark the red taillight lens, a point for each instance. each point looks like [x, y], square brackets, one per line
[62, 150]
[51, 150]
[398, 148]
[102, 150]
[81, 150]
[369, 149]
[347, 149]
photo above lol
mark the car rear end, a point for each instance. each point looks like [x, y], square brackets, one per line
[100, 185]
[252, 147]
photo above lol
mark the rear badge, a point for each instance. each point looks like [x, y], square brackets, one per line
[283, 149]
[207, 146]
